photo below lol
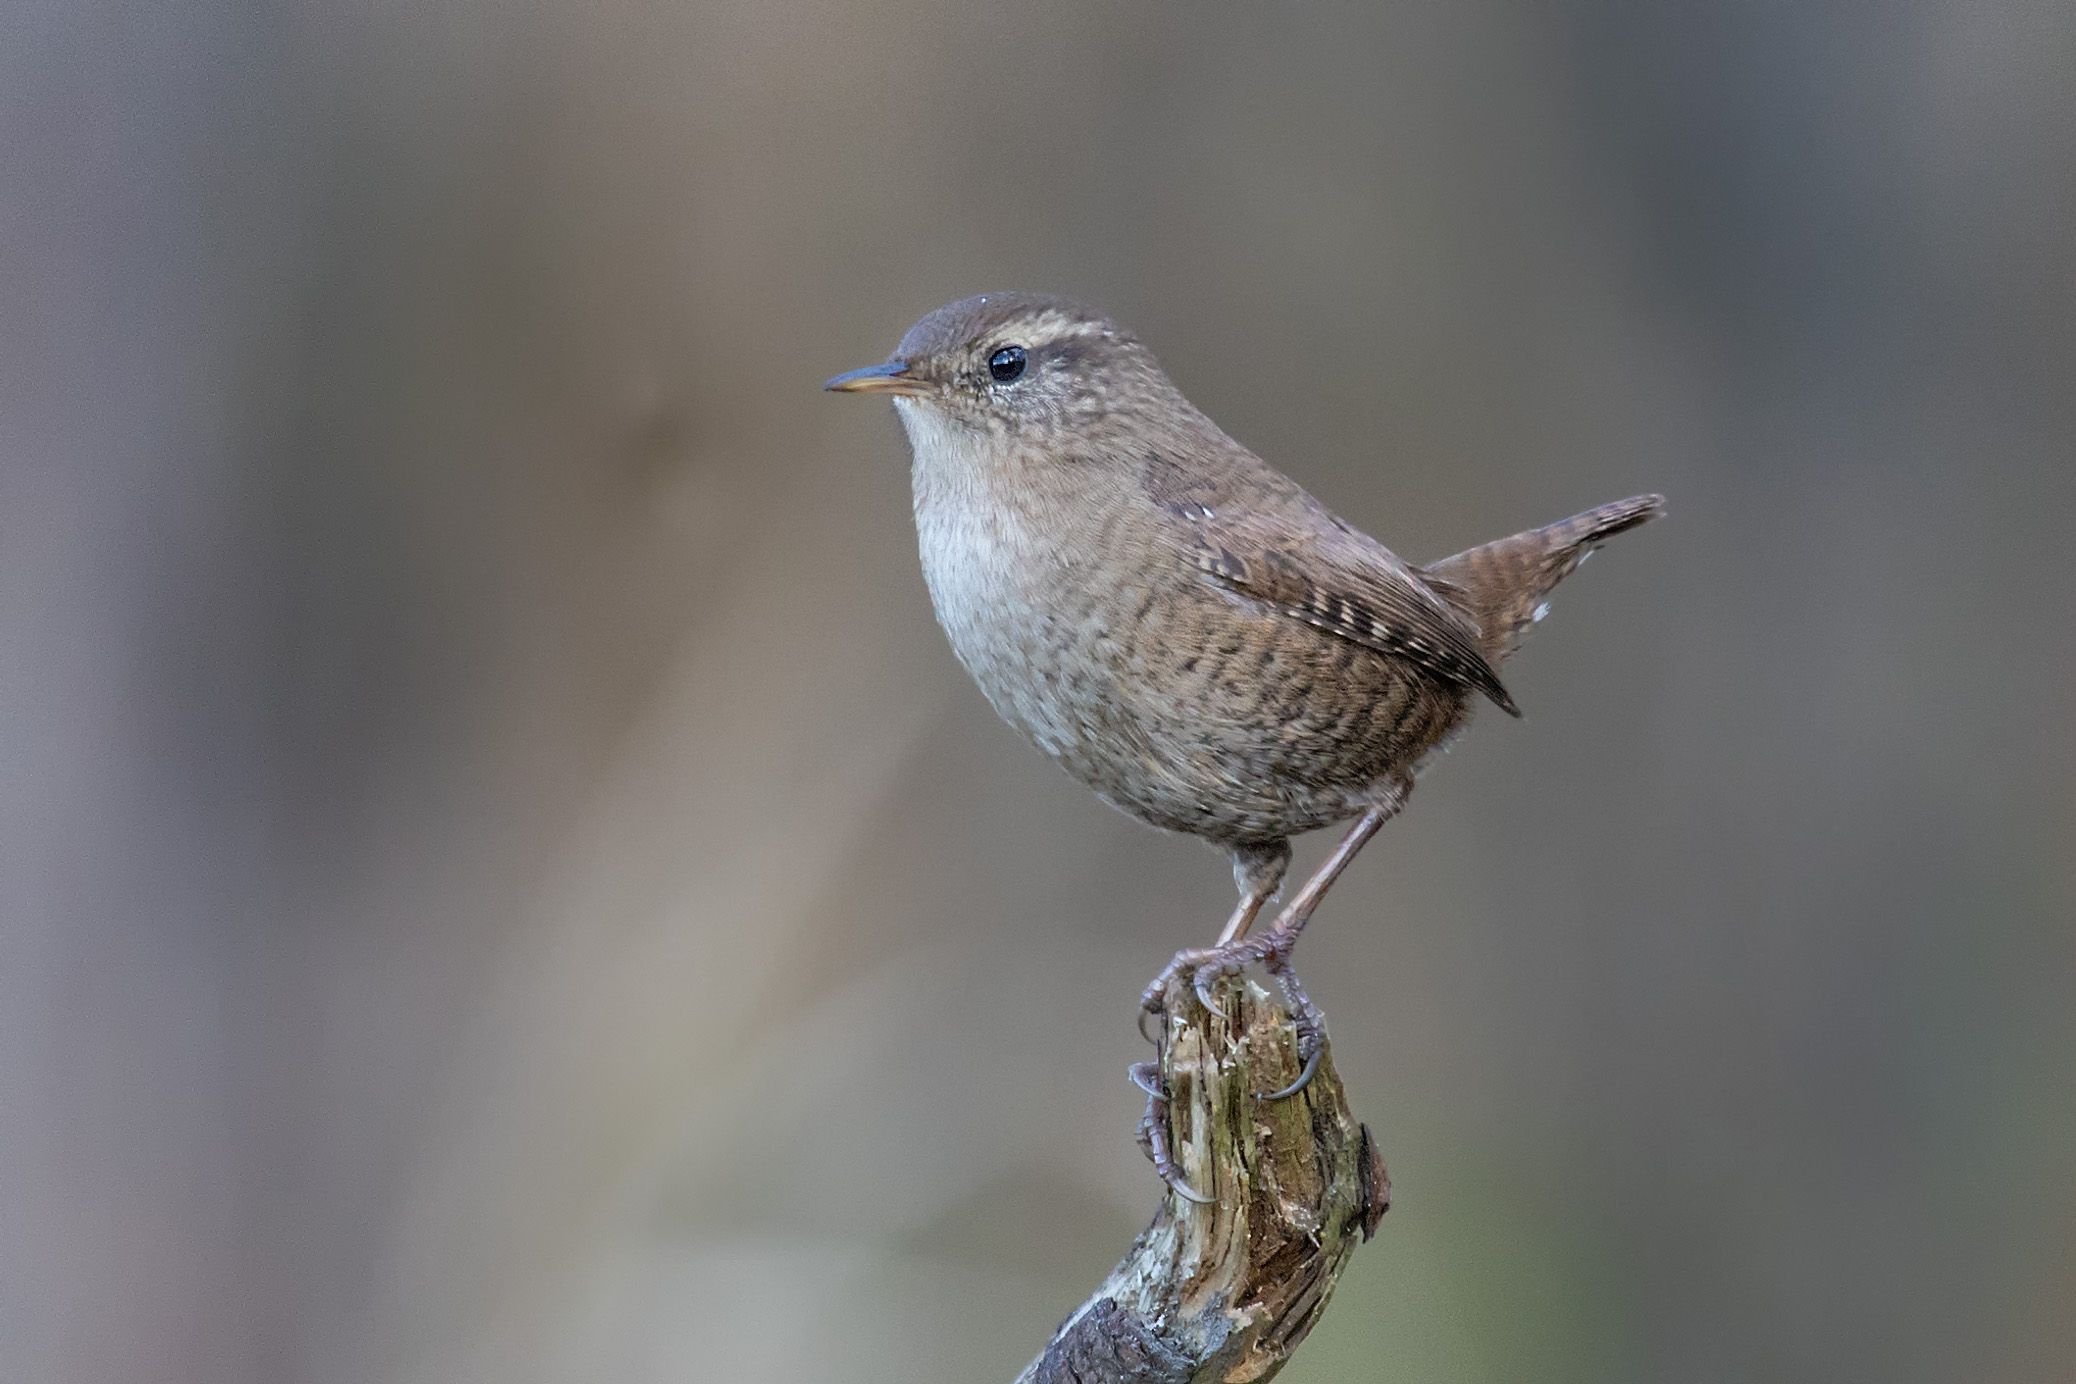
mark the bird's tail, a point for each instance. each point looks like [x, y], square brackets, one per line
[1502, 584]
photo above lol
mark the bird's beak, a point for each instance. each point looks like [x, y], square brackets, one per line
[891, 378]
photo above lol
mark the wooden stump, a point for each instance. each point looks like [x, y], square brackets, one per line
[1225, 1292]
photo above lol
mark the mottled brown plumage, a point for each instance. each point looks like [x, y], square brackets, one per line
[1177, 623]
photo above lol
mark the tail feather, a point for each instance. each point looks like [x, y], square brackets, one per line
[1502, 584]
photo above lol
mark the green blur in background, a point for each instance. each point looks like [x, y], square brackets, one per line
[503, 881]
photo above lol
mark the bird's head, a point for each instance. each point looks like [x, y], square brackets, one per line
[1016, 367]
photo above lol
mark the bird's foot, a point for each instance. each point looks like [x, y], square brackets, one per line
[1153, 1132]
[1309, 1021]
[1153, 1004]
[1207, 966]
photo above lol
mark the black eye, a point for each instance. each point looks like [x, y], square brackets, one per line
[1007, 363]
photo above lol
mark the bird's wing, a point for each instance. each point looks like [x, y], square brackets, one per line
[1291, 554]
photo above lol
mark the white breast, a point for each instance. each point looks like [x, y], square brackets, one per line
[983, 562]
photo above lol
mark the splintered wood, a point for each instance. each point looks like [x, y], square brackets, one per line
[1225, 1292]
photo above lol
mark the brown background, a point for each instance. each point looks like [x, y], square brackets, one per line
[504, 882]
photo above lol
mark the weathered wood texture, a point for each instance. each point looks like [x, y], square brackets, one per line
[1225, 1292]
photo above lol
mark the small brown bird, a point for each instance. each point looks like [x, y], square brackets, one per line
[1175, 621]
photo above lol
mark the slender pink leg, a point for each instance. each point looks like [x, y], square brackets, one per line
[1272, 949]
[1258, 872]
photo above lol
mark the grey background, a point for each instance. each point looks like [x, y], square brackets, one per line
[503, 881]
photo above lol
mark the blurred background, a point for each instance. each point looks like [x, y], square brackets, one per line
[503, 880]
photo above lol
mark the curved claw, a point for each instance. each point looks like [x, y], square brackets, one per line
[1153, 999]
[1304, 1078]
[1145, 1014]
[1153, 1138]
[1153, 1133]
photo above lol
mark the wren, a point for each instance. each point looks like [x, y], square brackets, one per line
[1176, 622]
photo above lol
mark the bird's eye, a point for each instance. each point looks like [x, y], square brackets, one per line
[1007, 363]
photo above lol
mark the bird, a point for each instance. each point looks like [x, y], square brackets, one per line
[1180, 625]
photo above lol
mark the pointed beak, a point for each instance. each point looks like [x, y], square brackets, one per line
[891, 378]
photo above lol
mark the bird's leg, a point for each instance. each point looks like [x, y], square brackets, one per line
[1258, 870]
[1206, 967]
[1277, 944]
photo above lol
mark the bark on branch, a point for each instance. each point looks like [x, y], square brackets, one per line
[1225, 1292]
